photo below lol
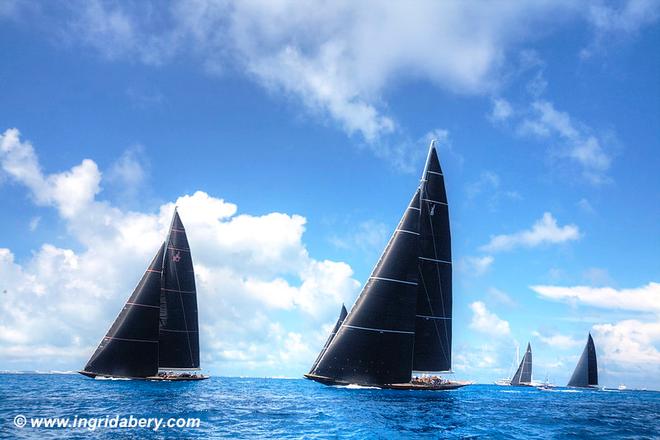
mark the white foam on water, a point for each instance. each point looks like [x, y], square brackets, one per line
[111, 378]
[355, 386]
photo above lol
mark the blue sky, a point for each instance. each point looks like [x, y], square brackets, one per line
[292, 138]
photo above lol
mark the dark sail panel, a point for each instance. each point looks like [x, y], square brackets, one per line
[586, 371]
[340, 320]
[433, 322]
[524, 372]
[130, 348]
[374, 345]
[179, 332]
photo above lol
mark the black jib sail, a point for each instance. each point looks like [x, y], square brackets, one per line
[163, 304]
[586, 371]
[340, 320]
[402, 319]
[523, 374]
[434, 295]
[130, 348]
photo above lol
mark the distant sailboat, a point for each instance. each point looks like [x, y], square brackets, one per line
[402, 321]
[523, 375]
[157, 329]
[586, 371]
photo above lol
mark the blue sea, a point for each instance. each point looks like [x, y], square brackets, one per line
[297, 408]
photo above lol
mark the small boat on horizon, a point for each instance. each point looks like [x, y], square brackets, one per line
[523, 375]
[586, 370]
[156, 334]
[398, 334]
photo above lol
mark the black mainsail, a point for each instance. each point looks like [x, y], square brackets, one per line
[432, 348]
[157, 328]
[523, 375]
[586, 371]
[178, 339]
[401, 320]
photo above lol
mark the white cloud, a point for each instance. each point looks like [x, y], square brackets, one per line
[629, 343]
[57, 304]
[575, 141]
[476, 266]
[129, 169]
[558, 340]
[69, 191]
[489, 183]
[487, 322]
[544, 231]
[585, 206]
[370, 237]
[501, 297]
[597, 277]
[501, 111]
[338, 59]
[628, 16]
[34, 223]
[641, 299]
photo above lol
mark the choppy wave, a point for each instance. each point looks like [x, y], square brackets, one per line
[273, 408]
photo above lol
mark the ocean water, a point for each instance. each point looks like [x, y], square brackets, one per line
[297, 408]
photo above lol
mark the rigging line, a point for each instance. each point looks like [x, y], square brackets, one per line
[442, 297]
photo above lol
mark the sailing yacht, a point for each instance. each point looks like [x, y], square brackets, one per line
[401, 324]
[523, 375]
[586, 370]
[156, 334]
